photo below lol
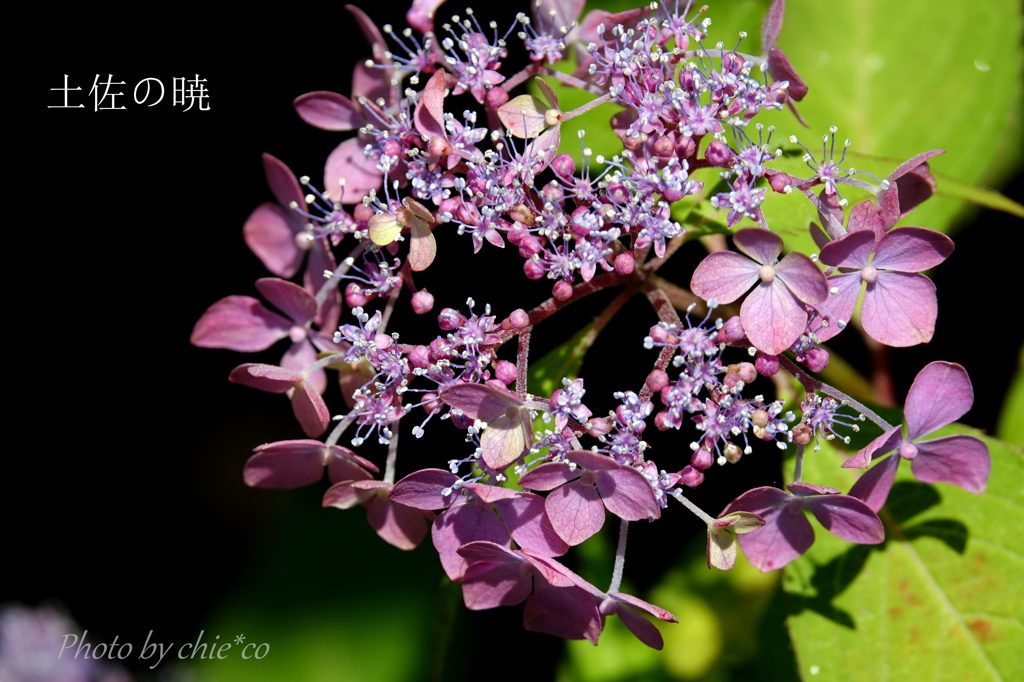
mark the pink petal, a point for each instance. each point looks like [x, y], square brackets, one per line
[282, 181]
[523, 116]
[272, 384]
[463, 524]
[422, 246]
[491, 493]
[724, 275]
[849, 251]
[328, 111]
[347, 162]
[839, 306]
[886, 443]
[646, 607]
[289, 298]
[240, 323]
[576, 512]
[757, 500]
[912, 249]
[421, 15]
[803, 278]
[848, 518]
[479, 401]
[961, 460]
[429, 113]
[627, 494]
[528, 522]
[760, 244]
[370, 32]
[285, 464]
[505, 439]
[900, 309]
[398, 525]
[873, 487]
[864, 217]
[373, 83]
[565, 13]
[549, 476]
[772, 317]
[343, 495]
[941, 394]
[785, 536]
[567, 612]
[642, 628]
[544, 148]
[344, 469]
[270, 235]
[488, 584]
[593, 461]
[423, 489]
[310, 409]
[301, 355]
[806, 489]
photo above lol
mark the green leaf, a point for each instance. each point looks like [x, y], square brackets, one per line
[940, 599]
[902, 78]
[1011, 421]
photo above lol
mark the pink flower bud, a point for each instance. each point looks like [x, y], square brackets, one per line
[766, 365]
[599, 426]
[624, 263]
[533, 270]
[661, 421]
[422, 302]
[449, 319]
[665, 146]
[802, 434]
[562, 291]
[657, 380]
[734, 328]
[519, 318]
[692, 477]
[496, 97]
[781, 181]
[564, 165]
[816, 359]
[419, 357]
[732, 453]
[440, 349]
[362, 213]
[746, 371]
[685, 147]
[718, 154]
[505, 372]
[702, 459]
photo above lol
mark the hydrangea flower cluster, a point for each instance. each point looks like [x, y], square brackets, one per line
[531, 476]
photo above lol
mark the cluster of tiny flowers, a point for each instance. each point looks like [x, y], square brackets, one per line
[414, 168]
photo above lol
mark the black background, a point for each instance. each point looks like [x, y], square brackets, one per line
[123, 497]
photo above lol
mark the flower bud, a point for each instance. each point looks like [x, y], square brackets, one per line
[564, 165]
[733, 453]
[734, 328]
[599, 426]
[496, 97]
[760, 418]
[419, 357]
[562, 291]
[533, 270]
[624, 263]
[816, 359]
[692, 477]
[505, 372]
[657, 380]
[449, 319]
[702, 459]
[519, 318]
[422, 302]
[664, 146]
[661, 421]
[685, 147]
[802, 434]
[440, 349]
[362, 213]
[718, 154]
[745, 370]
[766, 365]
[781, 181]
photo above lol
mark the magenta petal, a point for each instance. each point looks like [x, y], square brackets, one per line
[289, 298]
[429, 113]
[460, 525]
[558, 574]
[265, 377]
[488, 584]
[344, 469]
[642, 628]
[724, 275]
[301, 355]
[491, 493]
[310, 409]
[529, 524]
[505, 440]
[781, 69]
[803, 278]
[873, 487]
[567, 612]
[282, 181]
[424, 489]
[839, 306]
[576, 512]
[240, 323]
[772, 317]
[371, 33]
[785, 536]
[806, 489]
[347, 162]
[320, 260]
[849, 251]
[344, 495]
[848, 518]
[900, 309]
[328, 111]
[398, 525]
[647, 607]
[887, 442]
[912, 249]
[285, 464]
[960, 460]
[864, 216]
[760, 244]
[592, 461]
[479, 401]
[757, 500]
[941, 394]
[627, 494]
[549, 476]
[482, 550]
[271, 236]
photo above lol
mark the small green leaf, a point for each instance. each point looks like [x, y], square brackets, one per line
[545, 375]
[941, 599]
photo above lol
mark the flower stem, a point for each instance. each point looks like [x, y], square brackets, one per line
[798, 467]
[700, 513]
[620, 558]
[389, 466]
[811, 385]
[522, 361]
[565, 116]
[335, 279]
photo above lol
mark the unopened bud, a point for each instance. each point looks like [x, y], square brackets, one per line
[766, 365]
[702, 459]
[802, 434]
[496, 97]
[422, 302]
[562, 291]
[692, 477]
[657, 380]
[519, 319]
[624, 263]
[732, 453]
[505, 372]
[734, 328]
[760, 418]
[816, 359]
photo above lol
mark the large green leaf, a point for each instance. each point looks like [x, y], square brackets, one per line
[941, 599]
[1011, 421]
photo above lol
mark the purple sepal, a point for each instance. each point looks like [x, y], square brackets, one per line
[576, 512]
[239, 323]
[941, 394]
[874, 485]
[549, 476]
[460, 525]
[887, 442]
[423, 489]
[961, 460]
[848, 518]
[328, 111]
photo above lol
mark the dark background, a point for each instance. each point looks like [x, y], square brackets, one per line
[123, 495]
